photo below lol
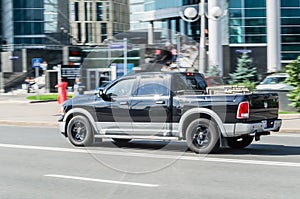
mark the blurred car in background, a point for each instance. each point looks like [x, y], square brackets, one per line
[275, 82]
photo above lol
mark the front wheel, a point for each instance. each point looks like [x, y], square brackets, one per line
[202, 136]
[239, 142]
[80, 132]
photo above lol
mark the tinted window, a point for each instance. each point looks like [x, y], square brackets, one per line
[152, 86]
[274, 80]
[195, 81]
[188, 81]
[121, 88]
[152, 89]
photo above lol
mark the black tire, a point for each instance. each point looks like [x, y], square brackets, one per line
[202, 136]
[239, 142]
[120, 140]
[80, 132]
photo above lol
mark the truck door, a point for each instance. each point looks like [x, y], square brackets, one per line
[113, 112]
[150, 106]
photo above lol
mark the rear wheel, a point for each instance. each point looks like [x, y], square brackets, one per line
[202, 136]
[239, 142]
[80, 132]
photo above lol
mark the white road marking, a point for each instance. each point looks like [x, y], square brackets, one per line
[297, 135]
[102, 180]
[157, 156]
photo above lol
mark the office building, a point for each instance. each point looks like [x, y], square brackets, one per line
[94, 21]
[137, 11]
[267, 29]
[33, 22]
[248, 25]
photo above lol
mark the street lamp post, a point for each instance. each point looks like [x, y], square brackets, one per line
[125, 43]
[190, 14]
[215, 13]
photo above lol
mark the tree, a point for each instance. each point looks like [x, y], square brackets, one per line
[213, 71]
[293, 70]
[245, 71]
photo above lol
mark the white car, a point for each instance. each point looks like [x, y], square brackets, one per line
[274, 82]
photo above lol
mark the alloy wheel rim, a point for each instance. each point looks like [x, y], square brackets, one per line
[78, 131]
[200, 136]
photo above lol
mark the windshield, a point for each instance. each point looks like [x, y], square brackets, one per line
[274, 80]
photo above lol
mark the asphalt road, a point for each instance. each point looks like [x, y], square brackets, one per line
[40, 163]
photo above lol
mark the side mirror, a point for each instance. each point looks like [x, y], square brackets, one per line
[100, 93]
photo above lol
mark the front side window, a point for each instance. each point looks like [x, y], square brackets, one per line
[121, 88]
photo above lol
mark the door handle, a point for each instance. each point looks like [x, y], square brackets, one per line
[160, 102]
[123, 103]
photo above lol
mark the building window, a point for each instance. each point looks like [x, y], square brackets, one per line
[99, 11]
[88, 11]
[103, 31]
[79, 32]
[89, 33]
[247, 21]
[235, 3]
[103, 28]
[255, 3]
[107, 11]
[75, 11]
[290, 29]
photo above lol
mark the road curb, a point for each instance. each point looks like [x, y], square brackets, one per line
[287, 130]
[289, 116]
[25, 123]
[41, 101]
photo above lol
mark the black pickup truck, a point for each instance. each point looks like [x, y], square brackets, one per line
[169, 106]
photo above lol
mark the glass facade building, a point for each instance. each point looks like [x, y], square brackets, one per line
[290, 29]
[136, 15]
[248, 25]
[28, 22]
[96, 20]
[33, 22]
[165, 17]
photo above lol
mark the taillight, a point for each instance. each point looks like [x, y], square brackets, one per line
[189, 74]
[243, 110]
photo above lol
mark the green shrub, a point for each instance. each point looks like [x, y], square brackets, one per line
[293, 69]
[245, 71]
[248, 84]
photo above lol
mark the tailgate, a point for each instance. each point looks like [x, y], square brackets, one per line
[263, 106]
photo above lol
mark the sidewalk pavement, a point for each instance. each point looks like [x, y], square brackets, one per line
[15, 109]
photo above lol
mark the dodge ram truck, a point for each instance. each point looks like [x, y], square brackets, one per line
[169, 106]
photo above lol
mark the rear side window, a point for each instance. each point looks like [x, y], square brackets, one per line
[188, 81]
[152, 86]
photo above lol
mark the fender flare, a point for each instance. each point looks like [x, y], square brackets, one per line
[83, 112]
[206, 111]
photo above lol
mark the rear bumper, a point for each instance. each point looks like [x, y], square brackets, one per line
[233, 130]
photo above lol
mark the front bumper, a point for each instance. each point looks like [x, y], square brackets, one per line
[61, 126]
[238, 129]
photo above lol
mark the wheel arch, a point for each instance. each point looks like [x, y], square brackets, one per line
[79, 111]
[195, 113]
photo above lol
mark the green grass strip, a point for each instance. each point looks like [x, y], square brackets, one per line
[45, 97]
